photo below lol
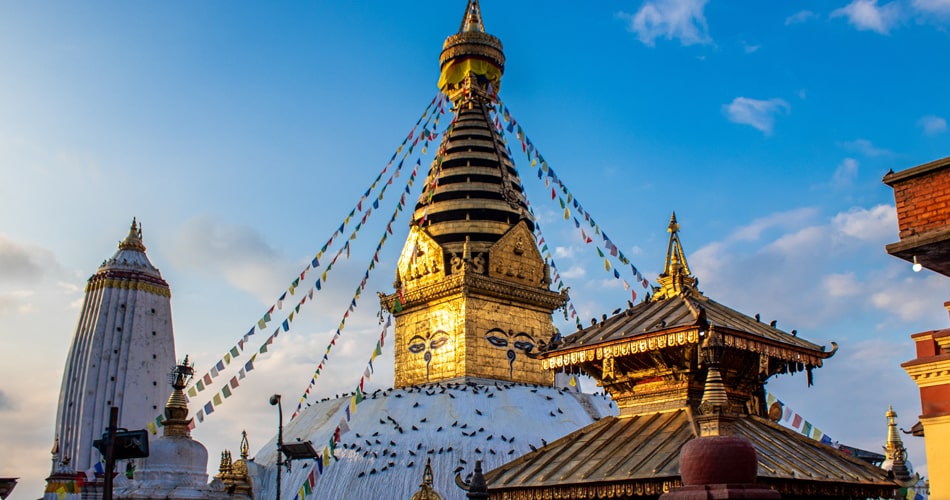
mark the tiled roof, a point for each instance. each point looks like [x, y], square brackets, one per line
[640, 455]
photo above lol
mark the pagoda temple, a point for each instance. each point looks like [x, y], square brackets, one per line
[120, 356]
[680, 366]
[472, 300]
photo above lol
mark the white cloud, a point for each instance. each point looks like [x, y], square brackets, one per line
[234, 252]
[679, 19]
[757, 113]
[20, 262]
[750, 48]
[932, 124]
[845, 173]
[913, 296]
[574, 272]
[781, 220]
[841, 285]
[939, 7]
[866, 148]
[800, 17]
[877, 225]
[564, 252]
[867, 15]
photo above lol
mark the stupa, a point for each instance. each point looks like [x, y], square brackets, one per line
[472, 301]
[120, 356]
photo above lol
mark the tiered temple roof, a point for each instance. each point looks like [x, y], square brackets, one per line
[650, 359]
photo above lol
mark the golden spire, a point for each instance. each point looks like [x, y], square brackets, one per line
[176, 409]
[676, 275]
[472, 20]
[472, 60]
[244, 445]
[134, 239]
[426, 490]
[894, 451]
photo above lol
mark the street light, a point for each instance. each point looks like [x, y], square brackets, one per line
[275, 401]
[287, 453]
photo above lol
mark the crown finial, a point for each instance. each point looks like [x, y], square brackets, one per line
[676, 275]
[133, 241]
[472, 20]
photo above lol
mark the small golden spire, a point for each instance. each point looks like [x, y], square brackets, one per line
[244, 445]
[426, 490]
[133, 241]
[176, 409]
[894, 451]
[472, 20]
[676, 276]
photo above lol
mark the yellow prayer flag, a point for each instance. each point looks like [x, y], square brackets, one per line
[567, 214]
[606, 264]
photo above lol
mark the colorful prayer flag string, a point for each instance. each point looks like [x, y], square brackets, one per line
[329, 451]
[567, 201]
[434, 109]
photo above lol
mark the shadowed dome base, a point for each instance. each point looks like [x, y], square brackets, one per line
[452, 423]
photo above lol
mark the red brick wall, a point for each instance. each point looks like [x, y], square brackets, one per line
[923, 203]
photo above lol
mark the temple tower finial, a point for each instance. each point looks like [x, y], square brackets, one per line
[676, 276]
[133, 241]
[472, 20]
[472, 61]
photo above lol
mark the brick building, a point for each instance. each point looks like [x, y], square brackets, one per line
[922, 197]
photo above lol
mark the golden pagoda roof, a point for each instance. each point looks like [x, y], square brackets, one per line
[694, 311]
[639, 455]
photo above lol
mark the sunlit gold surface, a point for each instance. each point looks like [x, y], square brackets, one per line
[476, 317]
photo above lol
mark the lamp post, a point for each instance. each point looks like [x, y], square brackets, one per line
[275, 401]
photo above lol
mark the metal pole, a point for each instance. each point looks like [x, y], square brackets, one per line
[280, 442]
[110, 453]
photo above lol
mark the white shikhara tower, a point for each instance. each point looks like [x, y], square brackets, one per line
[121, 355]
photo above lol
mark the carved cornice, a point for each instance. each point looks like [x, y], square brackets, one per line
[466, 282]
[128, 280]
[929, 374]
[627, 347]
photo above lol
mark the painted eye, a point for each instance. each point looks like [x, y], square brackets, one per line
[417, 348]
[497, 341]
[524, 346]
[439, 342]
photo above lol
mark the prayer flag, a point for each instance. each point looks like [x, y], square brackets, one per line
[209, 408]
[226, 390]
[217, 399]
[234, 352]
[220, 365]
[234, 382]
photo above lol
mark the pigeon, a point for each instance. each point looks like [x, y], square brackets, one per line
[375, 433]
[455, 423]
[411, 463]
[392, 443]
[533, 448]
[361, 474]
[458, 469]
[415, 428]
[412, 453]
[492, 451]
[543, 442]
[559, 411]
[511, 452]
[439, 429]
[478, 450]
[372, 471]
[415, 405]
[489, 437]
[477, 411]
[424, 420]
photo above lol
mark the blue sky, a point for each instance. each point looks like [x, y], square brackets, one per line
[242, 134]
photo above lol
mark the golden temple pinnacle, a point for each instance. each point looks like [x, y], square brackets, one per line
[472, 297]
[676, 274]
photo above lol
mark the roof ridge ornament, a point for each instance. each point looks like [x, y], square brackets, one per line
[676, 277]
